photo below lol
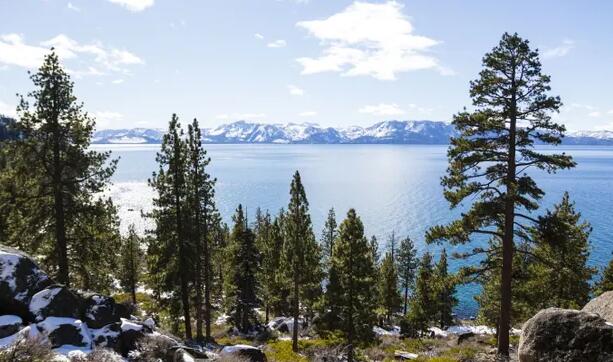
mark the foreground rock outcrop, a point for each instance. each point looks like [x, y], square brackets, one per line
[601, 305]
[32, 305]
[565, 335]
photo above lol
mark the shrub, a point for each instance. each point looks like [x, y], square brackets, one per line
[98, 355]
[151, 348]
[30, 349]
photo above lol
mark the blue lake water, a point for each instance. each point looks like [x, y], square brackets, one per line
[392, 187]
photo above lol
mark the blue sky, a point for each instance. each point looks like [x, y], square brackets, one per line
[332, 62]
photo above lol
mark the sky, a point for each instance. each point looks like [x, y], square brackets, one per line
[332, 62]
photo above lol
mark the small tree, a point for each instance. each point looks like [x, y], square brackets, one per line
[353, 261]
[328, 235]
[445, 290]
[407, 265]
[131, 262]
[559, 275]
[605, 283]
[242, 283]
[423, 302]
[389, 298]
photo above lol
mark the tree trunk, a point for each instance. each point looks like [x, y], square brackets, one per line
[207, 281]
[198, 282]
[507, 241]
[296, 310]
[59, 212]
[406, 297]
[133, 292]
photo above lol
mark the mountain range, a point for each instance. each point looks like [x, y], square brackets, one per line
[386, 132]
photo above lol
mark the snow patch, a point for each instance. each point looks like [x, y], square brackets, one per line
[9, 320]
[41, 300]
[127, 325]
[236, 348]
[8, 265]
[471, 329]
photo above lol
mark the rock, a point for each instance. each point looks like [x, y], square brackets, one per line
[129, 335]
[181, 355]
[565, 335]
[251, 353]
[601, 305]
[107, 336]
[65, 331]
[404, 355]
[55, 301]
[100, 311]
[9, 325]
[20, 279]
[461, 338]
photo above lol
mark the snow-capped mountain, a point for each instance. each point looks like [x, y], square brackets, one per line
[134, 135]
[387, 132]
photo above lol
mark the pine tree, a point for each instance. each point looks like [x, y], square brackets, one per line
[170, 247]
[605, 283]
[200, 198]
[131, 262]
[423, 302]
[51, 182]
[355, 267]
[559, 275]
[391, 244]
[389, 298]
[328, 235]
[269, 241]
[374, 247]
[242, 284]
[301, 252]
[445, 290]
[407, 265]
[494, 149]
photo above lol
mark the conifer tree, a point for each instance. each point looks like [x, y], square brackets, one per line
[407, 265]
[301, 252]
[241, 283]
[605, 283]
[131, 262]
[269, 241]
[200, 198]
[391, 244]
[489, 158]
[170, 246]
[445, 290]
[559, 275]
[328, 235]
[353, 261]
[51, 184]
[423, 302]
[389, 298]
[374, 247]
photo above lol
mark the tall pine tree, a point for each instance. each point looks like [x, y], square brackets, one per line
[201, 210]
[301, 252]
[51, 184]
[170, 246]
[605, 283]
[489, 158]
[328, 235]
[354, 264]
[407, 265]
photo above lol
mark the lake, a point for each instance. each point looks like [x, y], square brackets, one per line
[392, 187]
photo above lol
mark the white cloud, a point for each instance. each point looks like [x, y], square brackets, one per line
[559, 51]
[134, 5]
[117, 81]
[369, 39]
[258, 36]
[279, 43]
[14, 51]
[106, 119]
[295, 91]
[72, 7]
[7, 109]
[610, 111]
[308, 114]
[241, 116]
[594, 114]
[383, 109]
